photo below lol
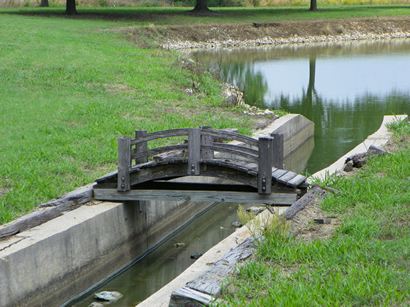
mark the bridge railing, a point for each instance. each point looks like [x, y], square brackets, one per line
[201, 145]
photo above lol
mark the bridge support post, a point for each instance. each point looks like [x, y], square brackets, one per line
[278, 145]
[124, 164]
[142, 148]
[194, 152]
[265, 162]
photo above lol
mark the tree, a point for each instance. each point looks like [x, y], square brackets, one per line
[313, 5]
[70, 7]
[44, 3]
[201, 6]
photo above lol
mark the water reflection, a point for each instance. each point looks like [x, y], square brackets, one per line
[345, 90]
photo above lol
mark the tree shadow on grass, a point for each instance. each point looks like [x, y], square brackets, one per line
[160, 14]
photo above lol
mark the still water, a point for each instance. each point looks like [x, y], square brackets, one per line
[168, 261]
[345, 89]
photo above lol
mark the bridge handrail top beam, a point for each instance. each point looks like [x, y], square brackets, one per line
[230, 135]
[221, 133]
[161, 134]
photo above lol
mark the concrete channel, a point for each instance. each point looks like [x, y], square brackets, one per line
[50, 263]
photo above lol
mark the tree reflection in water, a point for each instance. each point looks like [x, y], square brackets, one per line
[340, 123]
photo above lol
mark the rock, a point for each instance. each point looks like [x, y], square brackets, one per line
[179, 244]
[255, 210]
[196, 255]
[189, 91]
[232, 95]
[236, 224]
[324, 220]
[95, 304]
[108, 296]
[358, 159]
[376, 150]
[348, 166]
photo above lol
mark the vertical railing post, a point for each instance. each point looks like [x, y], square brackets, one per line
[124, 164]
[194, 151]
[207, 140]
[265, 161]
[278, 148]
[142, 148]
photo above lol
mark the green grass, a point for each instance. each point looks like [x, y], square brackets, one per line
[69, 89]
[365, 263]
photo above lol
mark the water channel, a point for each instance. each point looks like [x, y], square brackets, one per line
[345, 89]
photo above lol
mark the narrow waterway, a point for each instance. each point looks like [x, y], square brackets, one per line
[344, 89]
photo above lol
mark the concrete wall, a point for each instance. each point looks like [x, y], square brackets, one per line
[50, 263]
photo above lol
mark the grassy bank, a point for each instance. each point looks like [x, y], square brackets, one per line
[365, 262]
[69, 89]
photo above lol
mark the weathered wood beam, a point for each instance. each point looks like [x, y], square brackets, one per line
[313, 195]
[265, 161]
[124, 164]
[278, 150]
[194, 152]
[203, 290]
[195, 196]
[141, 152]
[50, 210]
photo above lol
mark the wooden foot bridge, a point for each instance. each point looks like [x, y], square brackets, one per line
[251, 169]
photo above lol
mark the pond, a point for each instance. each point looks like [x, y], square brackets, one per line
[344, 89]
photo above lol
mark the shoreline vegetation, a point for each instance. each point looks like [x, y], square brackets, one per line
[363, 259]
[71, 86]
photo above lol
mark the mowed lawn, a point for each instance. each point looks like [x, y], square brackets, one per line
[69, 88]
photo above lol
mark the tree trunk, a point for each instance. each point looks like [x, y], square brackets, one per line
[44, 3]
[313, 5]
[201, 6]
[71, 7]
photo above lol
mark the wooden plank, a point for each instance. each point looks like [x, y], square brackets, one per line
[51, 209]
[232, 149]
[211, 281]
[265, 165]
[206, 153]
[141, 151]
[195, 196]
[313, 195]
[161, 135]
[230, 136]
[296, 181]
[286, 177]
[194, 151]
[278, 150]
[124, 164]
[186, 296]
[278, 173]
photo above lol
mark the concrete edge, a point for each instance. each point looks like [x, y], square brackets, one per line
[380, 138]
